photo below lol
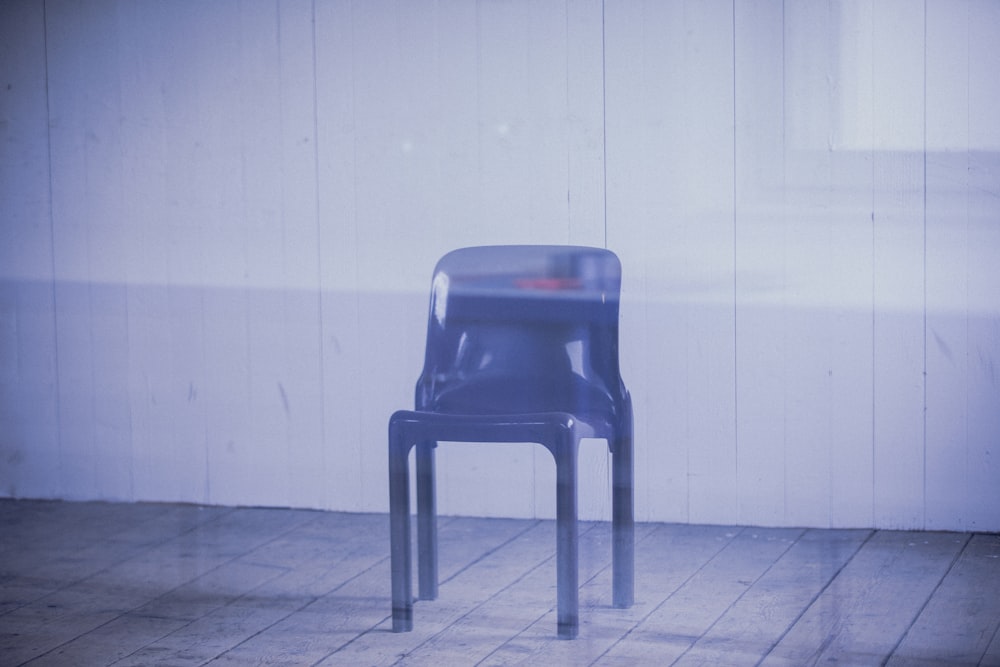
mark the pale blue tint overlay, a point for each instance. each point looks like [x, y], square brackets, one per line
[522, 346]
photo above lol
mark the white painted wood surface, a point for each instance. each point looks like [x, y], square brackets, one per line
[218, 222]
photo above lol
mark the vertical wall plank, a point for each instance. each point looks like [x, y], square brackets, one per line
[271, 398]
[457, 57]
[77, 478]
[623, 92]
[392, 216]
[342, 363]
[809, 47]
[803, 251]
[585, 122]
[847, 206]
[88, 244]
[705, 212]
[984, 275]
[144, 188]
[29, 437]
[947, 239]
[521, 93]
[164, 254]
[670, 93]
[302, 379]
[584, 118]
[760, 262]
[898, 125]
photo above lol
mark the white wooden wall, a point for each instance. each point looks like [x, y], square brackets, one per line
[218, 222]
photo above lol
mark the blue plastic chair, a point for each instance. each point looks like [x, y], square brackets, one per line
[522, 346]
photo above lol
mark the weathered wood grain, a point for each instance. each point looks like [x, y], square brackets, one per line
[133, 585]
[868, 608]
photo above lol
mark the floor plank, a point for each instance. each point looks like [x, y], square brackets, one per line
[666, 557]
[691, 611]
[756, 621]
[178, 585]
[960, 620]
[489, 570]
[868, 608]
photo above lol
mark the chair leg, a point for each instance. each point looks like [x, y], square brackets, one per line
[427, 554]
[623, 524]
[399, 532]
[567, 540]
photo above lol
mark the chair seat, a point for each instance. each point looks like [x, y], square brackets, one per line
[507, 395]
[535, 427]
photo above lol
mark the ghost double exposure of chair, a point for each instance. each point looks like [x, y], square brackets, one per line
[522, 346]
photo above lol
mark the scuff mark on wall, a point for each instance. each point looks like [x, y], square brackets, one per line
[284, 400]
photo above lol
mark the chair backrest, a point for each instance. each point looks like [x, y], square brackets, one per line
[523, 329]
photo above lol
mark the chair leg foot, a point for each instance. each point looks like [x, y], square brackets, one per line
[569, 629]
[402, 619]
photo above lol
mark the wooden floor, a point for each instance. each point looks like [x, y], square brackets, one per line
[147, 584]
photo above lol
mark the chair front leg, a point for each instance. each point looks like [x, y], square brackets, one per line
[567, 539]
[399, 532]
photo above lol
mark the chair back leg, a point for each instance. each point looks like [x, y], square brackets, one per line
[622, 524]
[427, 551]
